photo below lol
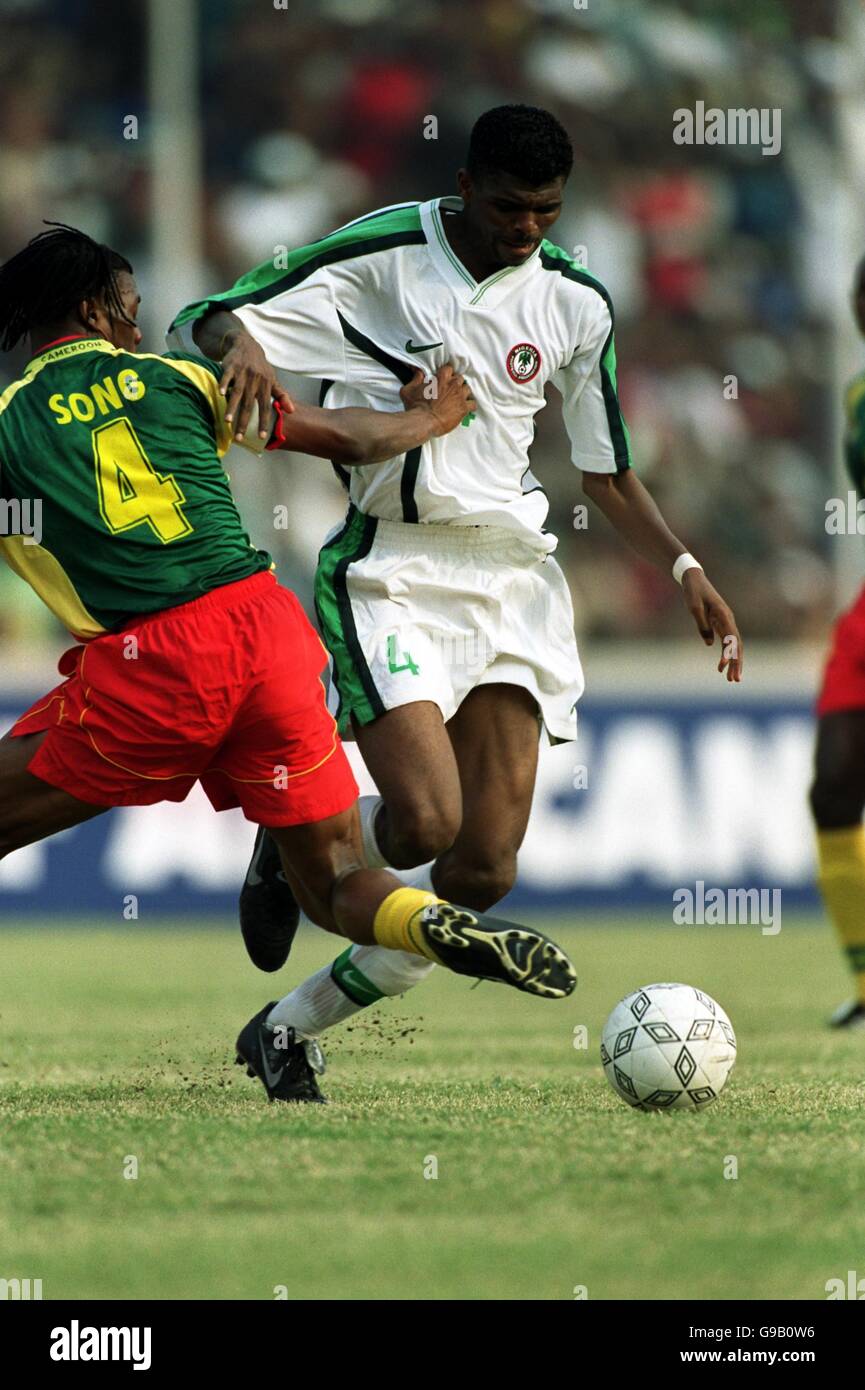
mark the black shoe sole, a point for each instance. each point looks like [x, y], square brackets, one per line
[509, 954]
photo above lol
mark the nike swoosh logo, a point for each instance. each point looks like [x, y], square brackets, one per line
[420, 347]
[254, 878]
[272, 1078]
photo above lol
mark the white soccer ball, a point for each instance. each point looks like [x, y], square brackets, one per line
[668, 1047]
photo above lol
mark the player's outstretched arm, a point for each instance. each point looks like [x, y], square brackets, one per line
[248, 379]
[633, 511]
[356, 436]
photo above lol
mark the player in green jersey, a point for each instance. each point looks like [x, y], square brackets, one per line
[193, 663]
[148, 432]
[838, 790]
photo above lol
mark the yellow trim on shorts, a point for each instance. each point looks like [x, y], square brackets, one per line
[173, 776]
[32, 713]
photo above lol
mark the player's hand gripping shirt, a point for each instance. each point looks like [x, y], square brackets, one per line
[364, 307]
[122, 450]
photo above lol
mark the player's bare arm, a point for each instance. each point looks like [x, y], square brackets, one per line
[627, 504]
[356, 435]
[248, 379]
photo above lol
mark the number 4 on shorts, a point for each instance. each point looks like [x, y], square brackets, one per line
[393, 662]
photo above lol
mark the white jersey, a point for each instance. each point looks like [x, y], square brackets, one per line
[364, 307]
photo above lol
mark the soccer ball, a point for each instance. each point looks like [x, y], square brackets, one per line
[668, 1047]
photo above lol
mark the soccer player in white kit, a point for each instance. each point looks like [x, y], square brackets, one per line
[448, 620]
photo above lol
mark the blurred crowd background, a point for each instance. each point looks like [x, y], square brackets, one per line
[721, 261]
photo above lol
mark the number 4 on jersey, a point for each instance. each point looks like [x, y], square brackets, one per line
[130, 489]
[393, 663]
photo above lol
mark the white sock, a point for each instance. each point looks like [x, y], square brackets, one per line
[368, 807]
[420, 877]
[317, 1004]
[365, 974]
[389, 972]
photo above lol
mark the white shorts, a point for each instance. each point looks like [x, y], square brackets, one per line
[427, 612]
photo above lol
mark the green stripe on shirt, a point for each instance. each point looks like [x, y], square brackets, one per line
[378, 232]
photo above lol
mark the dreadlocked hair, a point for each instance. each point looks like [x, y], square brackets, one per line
[50, 277]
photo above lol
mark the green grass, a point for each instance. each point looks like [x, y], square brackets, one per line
[119, 1043]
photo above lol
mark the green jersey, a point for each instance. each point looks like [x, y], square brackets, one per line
[121, 451]
[854, 434]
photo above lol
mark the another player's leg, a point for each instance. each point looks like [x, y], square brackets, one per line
[494, 737]
[31, 809]
[493, 741]
[359, 977]
[407, 825]
[409, 755]
[323, 863]
[837, 801]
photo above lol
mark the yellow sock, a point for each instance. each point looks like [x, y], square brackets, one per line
[842, 882]
[395, 923]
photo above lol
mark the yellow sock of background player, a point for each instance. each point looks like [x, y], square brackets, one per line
[841, 856]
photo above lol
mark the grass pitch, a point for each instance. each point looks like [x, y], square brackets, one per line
[118, 1045]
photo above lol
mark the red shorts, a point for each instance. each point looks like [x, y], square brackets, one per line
[224, 690]
[844, 675]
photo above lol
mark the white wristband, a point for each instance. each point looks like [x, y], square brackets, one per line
[685, 562]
